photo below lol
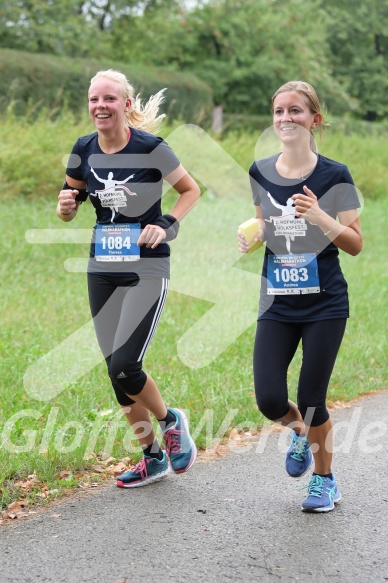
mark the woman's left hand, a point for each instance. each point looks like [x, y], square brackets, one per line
[151, 236]
[306, 206]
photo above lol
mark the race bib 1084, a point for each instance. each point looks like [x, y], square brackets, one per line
[292, 274]
[117, 242]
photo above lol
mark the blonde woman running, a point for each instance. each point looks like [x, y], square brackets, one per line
[128, 269]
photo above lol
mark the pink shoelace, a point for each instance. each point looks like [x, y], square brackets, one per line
[173, 442]
[141, 468]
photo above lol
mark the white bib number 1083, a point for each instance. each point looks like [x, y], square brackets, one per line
[294, 274]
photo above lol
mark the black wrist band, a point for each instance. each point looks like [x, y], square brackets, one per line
[82, 192]
[170, 224]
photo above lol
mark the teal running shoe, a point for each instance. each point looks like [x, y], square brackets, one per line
[298, 456]
[323, 493]
[180, 446]
[146, 471]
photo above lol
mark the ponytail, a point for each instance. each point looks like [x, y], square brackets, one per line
[146, 117]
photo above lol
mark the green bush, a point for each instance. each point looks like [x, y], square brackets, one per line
[32, 148]
[30, 81]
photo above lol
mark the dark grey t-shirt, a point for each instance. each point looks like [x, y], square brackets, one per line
[126, 187]
[333, 185]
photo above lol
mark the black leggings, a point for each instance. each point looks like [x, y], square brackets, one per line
[126, 311]
[275, 346]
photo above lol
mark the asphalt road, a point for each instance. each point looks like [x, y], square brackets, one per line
[235, 519]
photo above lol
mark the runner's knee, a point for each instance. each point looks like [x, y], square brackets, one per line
[129, 377]
[121, 397]
[313, 415]
[271, 407]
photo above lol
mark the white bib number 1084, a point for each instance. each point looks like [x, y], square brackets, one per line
[115, 242]
[294, 274]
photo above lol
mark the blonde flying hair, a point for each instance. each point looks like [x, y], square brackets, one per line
[313, 102]
[140, 116]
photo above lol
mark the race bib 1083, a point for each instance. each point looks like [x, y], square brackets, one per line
[292, 274]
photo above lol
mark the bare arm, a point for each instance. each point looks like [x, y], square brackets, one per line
[346, 233]
[67, 206]
[187, 189]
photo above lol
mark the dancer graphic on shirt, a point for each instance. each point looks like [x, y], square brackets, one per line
[288, 210]
[110, 186]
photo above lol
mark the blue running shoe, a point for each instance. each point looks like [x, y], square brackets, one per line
[180, 446]
[146, 471]
[298, 456]
[323, 493]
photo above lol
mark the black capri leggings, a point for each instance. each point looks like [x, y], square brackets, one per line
[275, 346]
[126, 311]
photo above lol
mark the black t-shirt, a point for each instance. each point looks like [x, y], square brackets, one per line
[333, 185]
[125, 187]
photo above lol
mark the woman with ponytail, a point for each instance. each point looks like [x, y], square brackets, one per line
[306, 209]
[121, 168]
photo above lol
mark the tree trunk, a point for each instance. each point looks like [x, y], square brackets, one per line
[217, 119]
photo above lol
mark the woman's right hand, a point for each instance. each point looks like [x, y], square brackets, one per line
[66, 201]
[244, 245]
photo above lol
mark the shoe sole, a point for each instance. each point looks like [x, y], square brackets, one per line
[145, 482]
[325, 508]
[185, 424]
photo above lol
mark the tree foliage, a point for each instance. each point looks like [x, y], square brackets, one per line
[243, 49]
[31, 82]
[358, 40]
[51, 26]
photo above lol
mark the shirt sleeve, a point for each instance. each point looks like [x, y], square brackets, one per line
[74, 166]
[163, 158]
[346, 194]
[257, 189]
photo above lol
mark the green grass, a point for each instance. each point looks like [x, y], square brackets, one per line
[42, 304]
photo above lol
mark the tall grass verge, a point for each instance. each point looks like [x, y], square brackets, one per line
[32, 149]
